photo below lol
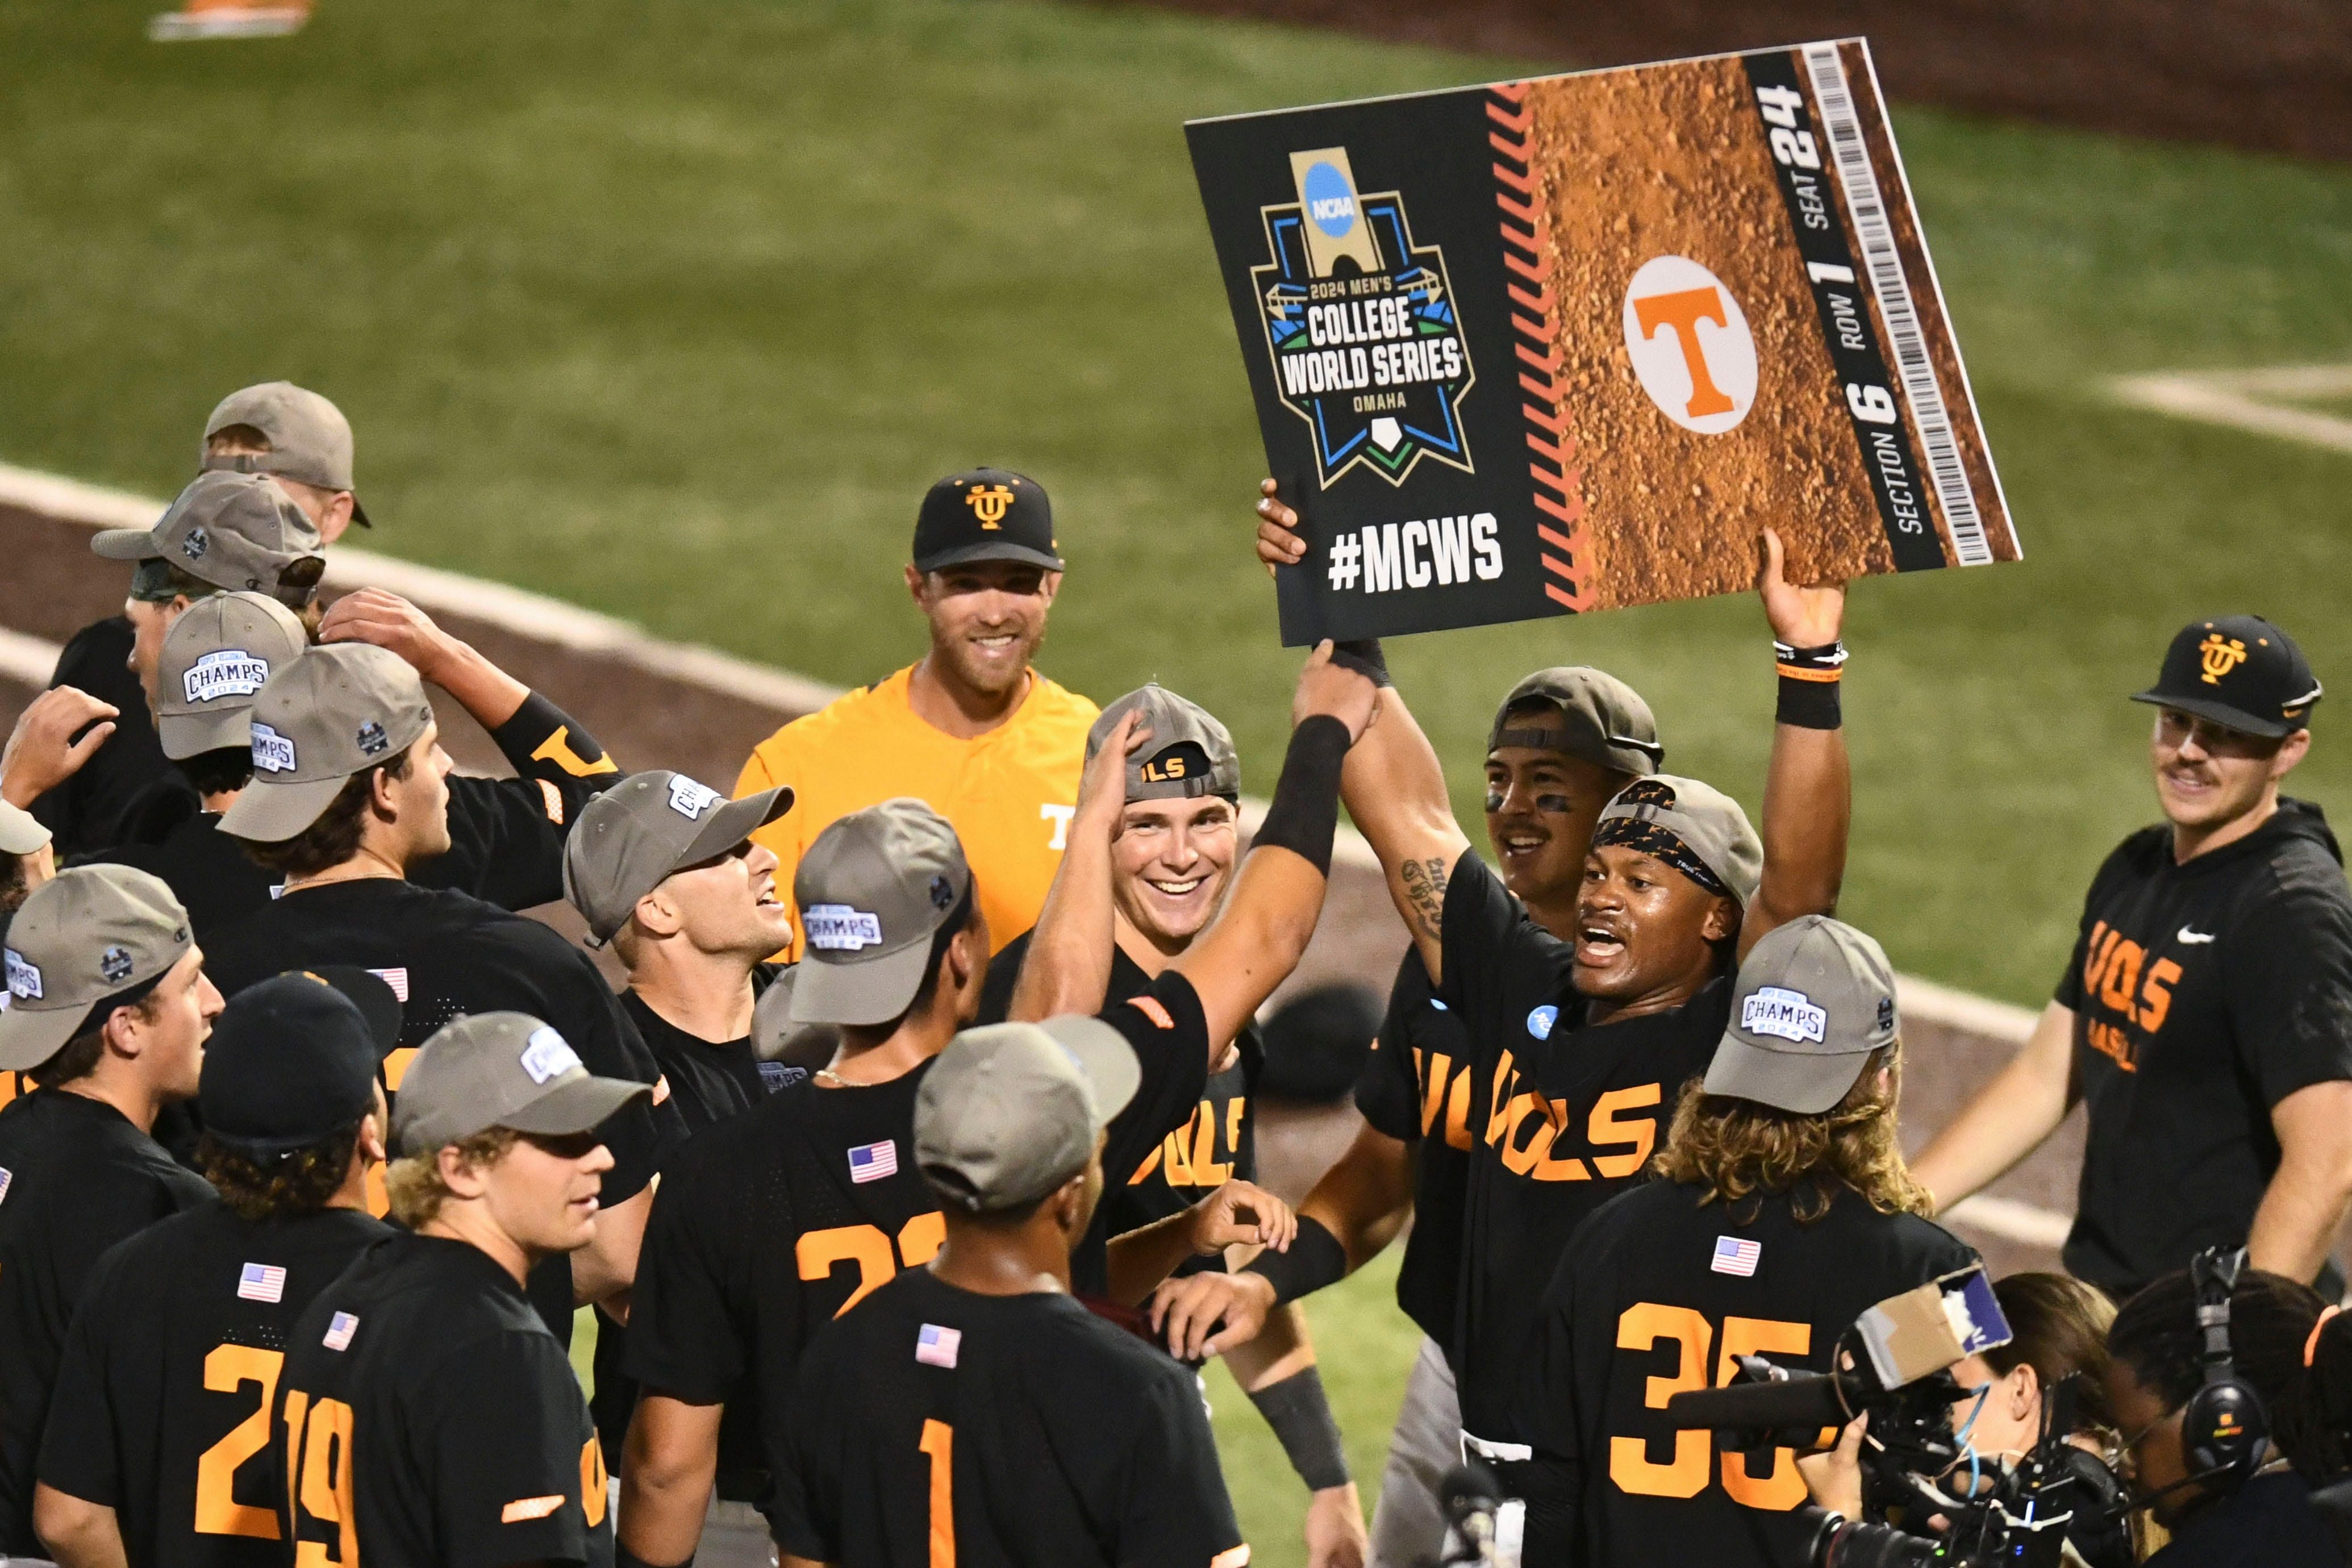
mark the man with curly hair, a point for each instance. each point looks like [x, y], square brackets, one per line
[1785, 1210]
[151, 1455]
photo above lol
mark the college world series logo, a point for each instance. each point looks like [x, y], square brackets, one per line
[1360, 323]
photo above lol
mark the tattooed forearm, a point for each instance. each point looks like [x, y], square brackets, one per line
[1424, 890]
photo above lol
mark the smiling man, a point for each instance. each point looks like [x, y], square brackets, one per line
[972, 730]
[2205, 1015]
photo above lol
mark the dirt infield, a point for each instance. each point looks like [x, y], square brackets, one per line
[55, 586]
[2274, 75]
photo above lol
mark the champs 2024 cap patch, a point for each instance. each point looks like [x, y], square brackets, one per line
[224, 672]
[1790, 1014]
[547, 1055]
[837, 928]
[272, 753]
[689, 799]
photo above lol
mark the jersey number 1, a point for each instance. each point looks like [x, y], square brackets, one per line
[939, 1442]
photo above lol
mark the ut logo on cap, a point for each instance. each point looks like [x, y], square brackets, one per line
[989, 503]
[2219, 655]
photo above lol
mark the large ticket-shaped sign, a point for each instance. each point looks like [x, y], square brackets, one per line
[1570, 343]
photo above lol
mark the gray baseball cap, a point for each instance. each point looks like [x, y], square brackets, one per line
[308, 438]
[1701, 820]
[1009, 1112]
[873, 891]
[21, 832]
[216, 657]
[501, 1069]
[337, 710]
[1602, 720]
[89, 933]
[1189, 753]
[775, 1037]
[635, 834]
[1814, 999]
[232, 530]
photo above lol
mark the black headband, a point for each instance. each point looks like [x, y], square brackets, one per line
[1660, 843]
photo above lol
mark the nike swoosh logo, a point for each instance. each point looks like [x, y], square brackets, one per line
[2191, 938]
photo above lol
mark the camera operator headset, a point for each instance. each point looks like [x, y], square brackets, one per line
[2200, 1360]
[2012, 1405]
[2317, 1435]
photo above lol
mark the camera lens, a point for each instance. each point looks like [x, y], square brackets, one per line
[1848, 1545]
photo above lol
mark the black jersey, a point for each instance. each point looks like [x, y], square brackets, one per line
[76, 1177]
[1656, 1295]
[707, 1083]
[1217, 1144]
[2203, 995]
[1568, 1118]
[97, 807]
[1418, 1086]
[448, 954]
[429, 1420]
[710, 1080]
[764, 1228]
[209, 873]
[1164, 1023]
[165, 1396]
[933, 1425]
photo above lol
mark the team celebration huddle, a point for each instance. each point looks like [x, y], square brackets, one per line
[911, 1175]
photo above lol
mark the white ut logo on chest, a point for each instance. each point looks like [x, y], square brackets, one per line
[1059, 816]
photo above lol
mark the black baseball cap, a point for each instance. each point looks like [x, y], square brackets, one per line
[985, 514]
[2237, 670]
[293, 1060]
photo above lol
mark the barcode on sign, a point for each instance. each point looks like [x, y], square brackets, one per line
[1953, 495]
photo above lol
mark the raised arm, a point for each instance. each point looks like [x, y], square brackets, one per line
[2008, 1119]
[1278, 894]
[1808, 787]
[1393, 783]
[1067, 969]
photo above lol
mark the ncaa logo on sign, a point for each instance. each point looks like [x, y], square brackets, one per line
[1690, 344]
[1540, 1021]
[1330, 200]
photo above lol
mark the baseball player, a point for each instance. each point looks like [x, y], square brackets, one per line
[303, 445]
[2205, 1015]
[153, 1454]
[789, 1215]
[1784, 1213]
[971, 730]
[350, 788]
[506, 836]
[971, 1411]
[107, 1011]
[426, 1415]
[1171, 860]
[1676, 886]
[224, 532]
[664, 869]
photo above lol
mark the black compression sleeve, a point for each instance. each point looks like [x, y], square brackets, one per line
[1301, 1417]
[1315, 1259]
[1304, 813]
[1364, 656]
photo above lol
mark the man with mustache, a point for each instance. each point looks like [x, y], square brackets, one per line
[970, 730]
[2205, 1015]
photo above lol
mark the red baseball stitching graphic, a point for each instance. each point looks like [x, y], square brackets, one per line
[1526, 228]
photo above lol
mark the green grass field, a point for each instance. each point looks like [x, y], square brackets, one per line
[674, 307]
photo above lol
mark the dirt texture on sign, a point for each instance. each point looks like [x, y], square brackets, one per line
[2273, 75]
[1674, 162]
